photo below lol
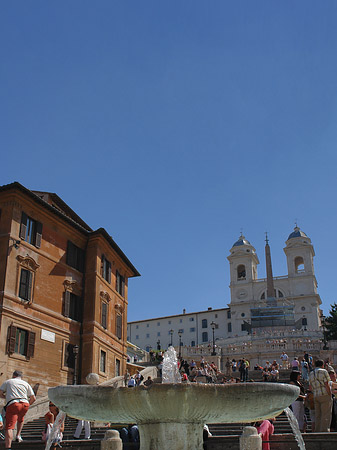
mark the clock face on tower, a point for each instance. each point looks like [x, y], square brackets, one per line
[242, 293]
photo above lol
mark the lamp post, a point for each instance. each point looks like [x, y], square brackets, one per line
[75, 353]
[179, 334]
[213, 325]
[158, 344]
[171, 337]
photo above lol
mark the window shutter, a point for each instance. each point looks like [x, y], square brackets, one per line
[104, 314]
[11, 339]
[66, 304]
[29, 285]
[123, 286]
[23, 226]
[109, 272]
[117, 281]
[102, 265]
[31, 344]
[23, 283]
[38, 237]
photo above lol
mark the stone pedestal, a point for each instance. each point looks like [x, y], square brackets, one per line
[168, 436]
[111, 441]
[250, 439]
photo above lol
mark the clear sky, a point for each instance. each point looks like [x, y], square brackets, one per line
[175, 124]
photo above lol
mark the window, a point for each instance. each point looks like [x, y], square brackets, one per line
[69, 356]
[299, 264]
[158, 324]
[119, 321]
[241, 271]
[106, 269]
[120, 284]
[204, 323]
[25, 287]
[137, 336]
[30, 230]
[205, 336]
[304, 321]
[192, 330]
[192, 343]
[169, 322]
[75, 257]
[72, 306]
[102, 361]
[243, 314]
[147, 325]
[191, 319]
[158, 334]
[229, 314]
[104, 314]
[181, 330]
[118, 368]
[229, 327]
[243, 327]
[20, 341]
[216, 316]
[181, 320]
[137, 326]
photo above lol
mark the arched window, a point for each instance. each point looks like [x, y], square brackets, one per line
[241, 271]
[299, 264]
[277, 293]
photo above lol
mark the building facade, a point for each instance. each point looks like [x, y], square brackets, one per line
[63, 292]
[286, 304]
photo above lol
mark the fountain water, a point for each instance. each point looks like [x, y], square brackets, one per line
[56, 429]
[170, 371]
[171, 415]
[294, 426]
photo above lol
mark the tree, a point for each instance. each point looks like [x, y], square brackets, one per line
[331, 323]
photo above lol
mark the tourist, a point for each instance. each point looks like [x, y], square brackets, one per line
[126, 378]
[305, 370]
[284, 358]
[265, 430]
[139, 378]
[274, 374]
[19, 396]
[234, 365]
[295, 365]
[130, 434]
[132, 382]
[265, 375]
[87, 430]
[148, 382]
[319, 384]
[298, 405]
[50, 418]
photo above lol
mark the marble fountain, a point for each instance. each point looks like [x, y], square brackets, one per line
[171, 415]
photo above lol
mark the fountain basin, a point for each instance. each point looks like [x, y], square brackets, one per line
[163, 411]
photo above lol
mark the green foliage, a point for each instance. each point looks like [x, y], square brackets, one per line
[331, 324]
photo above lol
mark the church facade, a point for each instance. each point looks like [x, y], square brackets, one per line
[288, 304]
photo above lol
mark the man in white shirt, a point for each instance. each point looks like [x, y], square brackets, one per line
[284, 358]
[19, 396]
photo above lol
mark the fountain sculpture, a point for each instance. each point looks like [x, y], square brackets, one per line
[171, 415]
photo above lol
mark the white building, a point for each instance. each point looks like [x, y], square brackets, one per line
[258, 306]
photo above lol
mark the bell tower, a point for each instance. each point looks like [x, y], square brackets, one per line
[243, 263]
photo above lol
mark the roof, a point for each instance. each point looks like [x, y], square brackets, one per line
[53, 203]
[180, 315]
[241, 241]
[297, 233]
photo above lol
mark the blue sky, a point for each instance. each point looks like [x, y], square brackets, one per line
[175, 124]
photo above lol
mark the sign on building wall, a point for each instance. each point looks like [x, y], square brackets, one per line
[47, 336]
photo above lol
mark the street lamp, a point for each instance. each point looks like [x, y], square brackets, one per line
[171, 337]
[179, 334]
[75, 353]
[158, 344]
[213, 326]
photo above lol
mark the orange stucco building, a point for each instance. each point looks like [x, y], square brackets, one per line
[63, 292]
